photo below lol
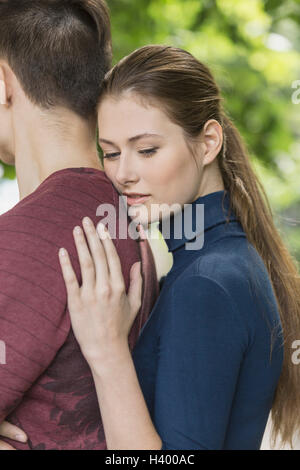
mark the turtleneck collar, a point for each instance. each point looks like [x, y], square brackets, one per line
[195, 219]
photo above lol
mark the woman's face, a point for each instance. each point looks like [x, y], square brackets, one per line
[147, 158]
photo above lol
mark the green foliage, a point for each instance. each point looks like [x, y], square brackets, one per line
[9, 172]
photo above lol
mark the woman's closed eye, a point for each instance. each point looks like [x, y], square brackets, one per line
[111, 155]
[146, 152]
[149, 152]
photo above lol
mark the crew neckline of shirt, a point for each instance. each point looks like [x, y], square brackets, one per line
[216, 212]
[78, 170]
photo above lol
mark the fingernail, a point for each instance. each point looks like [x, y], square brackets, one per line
[62, 252]
[87, 221]
[142, 232]
[20, 437]
[77, 230]
[102, 230]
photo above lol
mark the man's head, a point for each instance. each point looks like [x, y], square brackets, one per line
[53, 55]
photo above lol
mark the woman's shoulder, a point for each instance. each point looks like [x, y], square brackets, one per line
[199, 302]
[234, 274]
[228, 264]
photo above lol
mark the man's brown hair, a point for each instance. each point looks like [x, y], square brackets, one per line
[59, 50]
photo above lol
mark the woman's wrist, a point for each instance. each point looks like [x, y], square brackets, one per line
[112, 356]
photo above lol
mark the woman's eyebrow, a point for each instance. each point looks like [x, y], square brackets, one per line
[140, 136]
[132, 139]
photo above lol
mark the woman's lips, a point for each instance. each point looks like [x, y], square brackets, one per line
[134, 200]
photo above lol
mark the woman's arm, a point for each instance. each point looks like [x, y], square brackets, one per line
[102, 315]
[125, 416]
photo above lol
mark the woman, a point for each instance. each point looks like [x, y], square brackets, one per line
[209, 363]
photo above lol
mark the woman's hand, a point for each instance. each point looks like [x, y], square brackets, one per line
[12, 432]
[101, 312]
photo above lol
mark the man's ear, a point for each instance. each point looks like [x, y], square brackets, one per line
[3, 93]
[212, 137]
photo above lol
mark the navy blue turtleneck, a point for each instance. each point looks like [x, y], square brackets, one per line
[210, 355]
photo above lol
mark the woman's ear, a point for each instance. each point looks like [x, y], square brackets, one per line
[212, 138]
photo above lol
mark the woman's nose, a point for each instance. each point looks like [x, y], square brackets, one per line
[126, 172]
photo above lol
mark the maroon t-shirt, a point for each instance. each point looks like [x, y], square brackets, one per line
[46, 386]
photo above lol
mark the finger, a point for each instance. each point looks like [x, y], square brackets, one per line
[97, 250]
[112, 256]
[87, 267]
[68, 274]
[142, 232]
[135, 288]
[12, 432]
[5, 446]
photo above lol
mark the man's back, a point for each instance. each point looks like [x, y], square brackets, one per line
[46, 386]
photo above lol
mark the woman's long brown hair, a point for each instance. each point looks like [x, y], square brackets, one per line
[186, 90]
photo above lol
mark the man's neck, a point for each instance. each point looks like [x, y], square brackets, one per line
[30, 176]
[45, 149]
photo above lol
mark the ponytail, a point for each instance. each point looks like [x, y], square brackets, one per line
[249, 202]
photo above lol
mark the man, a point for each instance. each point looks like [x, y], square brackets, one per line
[53, 57]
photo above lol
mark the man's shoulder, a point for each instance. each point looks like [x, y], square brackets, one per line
[71, 193]
[80, 185]
[58, 204]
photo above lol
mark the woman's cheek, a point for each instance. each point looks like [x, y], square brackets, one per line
[165, 172]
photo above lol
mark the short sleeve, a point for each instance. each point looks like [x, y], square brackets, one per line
[201, 348]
